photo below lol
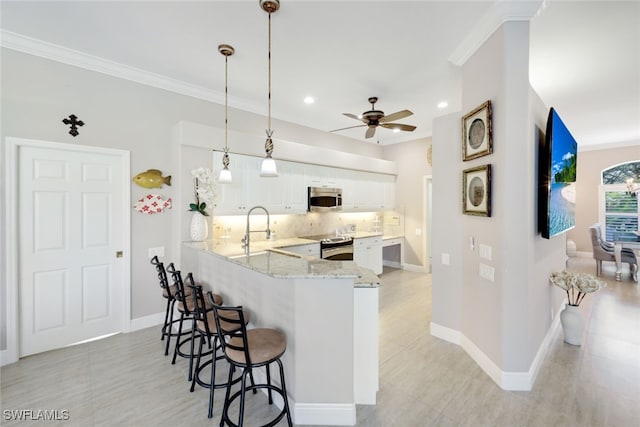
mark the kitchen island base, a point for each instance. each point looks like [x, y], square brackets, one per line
[316, 306]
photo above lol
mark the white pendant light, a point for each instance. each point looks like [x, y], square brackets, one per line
[225, 173]
[269, 168]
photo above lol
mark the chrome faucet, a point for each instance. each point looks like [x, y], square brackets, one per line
[246, 239]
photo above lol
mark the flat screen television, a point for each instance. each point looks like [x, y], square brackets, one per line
[557, 178]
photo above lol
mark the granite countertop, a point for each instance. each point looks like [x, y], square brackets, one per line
[266, 258]
[392, 236]
[228, 248]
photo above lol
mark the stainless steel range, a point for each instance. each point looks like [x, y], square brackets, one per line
[334, 248]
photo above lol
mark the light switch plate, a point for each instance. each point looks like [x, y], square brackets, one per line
[485, 252]
[445, 259]
[487, 272]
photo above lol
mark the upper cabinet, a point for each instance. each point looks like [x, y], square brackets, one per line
[287, 193]
[368, 191]
[321, 176]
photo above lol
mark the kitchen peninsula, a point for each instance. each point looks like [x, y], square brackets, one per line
[328, 311]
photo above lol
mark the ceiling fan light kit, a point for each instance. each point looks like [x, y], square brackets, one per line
[225, 174]
[268, 168]
[374, 118]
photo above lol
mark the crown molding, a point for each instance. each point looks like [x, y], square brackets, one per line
[609, 145]
[47, 50]
[499, 13]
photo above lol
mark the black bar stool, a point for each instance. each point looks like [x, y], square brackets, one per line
[246, 350]
[206, 329]
[168, 292]
[186, 307]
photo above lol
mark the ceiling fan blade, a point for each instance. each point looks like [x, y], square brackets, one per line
[396, 116]
[370, 132]
[353, 116]
[400, 126]
[350, 127]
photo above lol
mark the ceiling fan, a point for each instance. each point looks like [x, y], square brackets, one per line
[374, 118]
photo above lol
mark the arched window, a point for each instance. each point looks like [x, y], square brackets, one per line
[619, 207]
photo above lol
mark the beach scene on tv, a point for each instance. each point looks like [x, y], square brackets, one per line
[562, 199]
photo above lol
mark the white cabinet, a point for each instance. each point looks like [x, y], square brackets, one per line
[389, 185]
[311, 249]
[232, 198]
[287, 193]
[284, 194]
[321, 176]
[367, 253]
[368, 191]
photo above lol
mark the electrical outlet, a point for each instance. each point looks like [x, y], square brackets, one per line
[418, 231]
[158, 251]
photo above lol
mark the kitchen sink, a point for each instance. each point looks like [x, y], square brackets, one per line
[245, 255]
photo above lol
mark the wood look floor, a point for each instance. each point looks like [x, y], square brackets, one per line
[125, 380]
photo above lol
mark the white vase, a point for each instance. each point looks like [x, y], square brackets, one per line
[572, 324]
[199, 227]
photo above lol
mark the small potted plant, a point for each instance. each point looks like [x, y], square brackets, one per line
[577, 286]
[204, 192]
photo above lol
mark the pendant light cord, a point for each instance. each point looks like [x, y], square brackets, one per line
[269, 123]
[226, 94]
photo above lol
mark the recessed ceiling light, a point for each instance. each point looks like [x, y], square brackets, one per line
[309, 100]
[396, 130]
[443, 104]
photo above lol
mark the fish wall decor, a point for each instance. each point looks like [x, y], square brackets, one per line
[151, 204]
[152, 178]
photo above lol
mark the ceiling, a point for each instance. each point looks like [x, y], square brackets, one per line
[585, 56]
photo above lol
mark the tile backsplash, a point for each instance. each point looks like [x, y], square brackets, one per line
[285, 226]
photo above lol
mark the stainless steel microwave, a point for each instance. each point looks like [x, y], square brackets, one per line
[323, 199]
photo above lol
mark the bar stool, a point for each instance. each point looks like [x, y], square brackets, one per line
[186, 307]
[246, 350]
[168, 292]
[206, 329]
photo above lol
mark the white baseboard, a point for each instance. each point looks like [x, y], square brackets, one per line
[7, 358]
[515, 381]
[446, 334]
[146, 321]
[544, 346]
[414, 267]
[135, 325]
[343, 414]
[328, 414]
[392, 264]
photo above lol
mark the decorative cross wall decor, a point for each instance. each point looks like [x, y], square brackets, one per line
[74, 122]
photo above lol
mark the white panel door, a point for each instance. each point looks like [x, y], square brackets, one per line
[70, 228]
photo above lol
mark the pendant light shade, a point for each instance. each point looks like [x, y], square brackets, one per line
[225, 176]
[269, 168]
[225, 173]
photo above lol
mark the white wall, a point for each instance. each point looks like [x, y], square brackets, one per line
[38, 93]
[504, 321]
[446, 238]
[411, 161]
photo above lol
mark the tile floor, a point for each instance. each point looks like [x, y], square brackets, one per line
[125, 380]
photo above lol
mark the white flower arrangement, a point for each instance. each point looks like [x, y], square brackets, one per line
[204, 190]
[576, 285]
